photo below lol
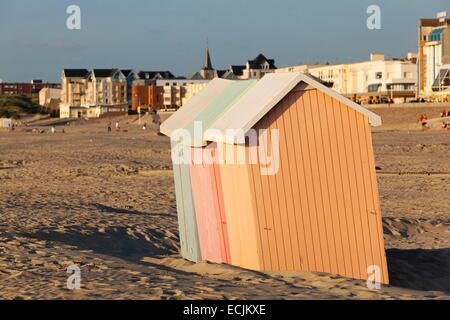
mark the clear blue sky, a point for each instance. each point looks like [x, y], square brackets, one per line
[171, 34]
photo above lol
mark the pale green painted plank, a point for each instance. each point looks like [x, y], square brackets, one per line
[216, 108]
[187, 223]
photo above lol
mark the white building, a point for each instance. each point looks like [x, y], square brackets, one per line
[376, 80]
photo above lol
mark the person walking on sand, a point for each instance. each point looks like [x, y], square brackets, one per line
[53, 130]
[109, 127]
[423, 120]
[117, 126]
[156, 119]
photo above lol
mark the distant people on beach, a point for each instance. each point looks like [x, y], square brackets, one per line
[444, 113]
[117, 126]
[109, 127]
[423, 120]
[144, 127]
[156, 119]
[53, 129]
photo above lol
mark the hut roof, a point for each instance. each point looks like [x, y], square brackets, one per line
[215, 109]
[188, 112]
[263, 96]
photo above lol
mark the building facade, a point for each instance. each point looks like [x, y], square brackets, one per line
[253, 69]
[375, 81]
[50, 100]
[433, 56]
[91, 94]
[25, 89]
[177, 92]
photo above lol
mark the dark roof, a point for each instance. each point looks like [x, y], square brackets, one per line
[126, 72]
[150, 75]
[259, 60]
[104, 73]
[220, 73]
[76, 73]
[237, 70]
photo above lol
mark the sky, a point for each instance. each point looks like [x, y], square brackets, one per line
[172, 34]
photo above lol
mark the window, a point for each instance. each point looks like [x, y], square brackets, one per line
[379, 75]
[374, 87]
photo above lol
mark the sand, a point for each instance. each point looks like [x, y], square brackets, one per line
[105, 202]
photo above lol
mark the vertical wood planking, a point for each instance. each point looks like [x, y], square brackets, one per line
[315, 184]
[260, 207]
[300, 189]
[341, 132]
[371, 215]
[287, 169]
[276, 122]
[354, 203]
[307, 187]
[187, 224]
[359, 177]
[207, 223]
[314, 214]
[219, 207]
[318, 107]
[230, 205]
[244, 242]
[376, 202]
[272, 229]
[332, 213]
[345, 252]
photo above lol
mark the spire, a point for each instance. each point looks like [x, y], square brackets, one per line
[207, 65]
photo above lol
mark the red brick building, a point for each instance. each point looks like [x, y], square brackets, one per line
[146, 96]
[26, 89]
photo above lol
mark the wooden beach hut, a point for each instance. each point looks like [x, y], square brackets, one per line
[319, 209]
[189, 242]
[205, 176]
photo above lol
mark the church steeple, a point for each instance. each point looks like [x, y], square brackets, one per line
[207, 65]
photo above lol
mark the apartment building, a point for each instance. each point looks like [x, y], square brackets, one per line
[146, 95]
[91, 94]
[373, 81]
[177, 92]
[433, 57]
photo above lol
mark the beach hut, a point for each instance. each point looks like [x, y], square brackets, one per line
[314, 206]
[188, 233]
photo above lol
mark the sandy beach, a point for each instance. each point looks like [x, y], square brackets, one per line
[105, 202]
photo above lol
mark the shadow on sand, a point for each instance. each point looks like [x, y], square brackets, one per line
[108, 209]
[119, 242]
[420, 269]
